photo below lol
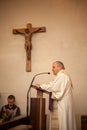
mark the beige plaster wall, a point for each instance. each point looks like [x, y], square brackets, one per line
[65, 39]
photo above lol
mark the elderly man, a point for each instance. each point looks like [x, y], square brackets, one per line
[61, 89]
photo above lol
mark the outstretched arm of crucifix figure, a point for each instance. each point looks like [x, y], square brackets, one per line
[28, 32]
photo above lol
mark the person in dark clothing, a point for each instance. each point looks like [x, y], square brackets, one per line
[9, 110]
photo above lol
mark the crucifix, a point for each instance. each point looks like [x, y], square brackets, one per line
[27, 33]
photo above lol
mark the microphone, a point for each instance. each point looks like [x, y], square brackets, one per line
[40, 74]
[31, 86]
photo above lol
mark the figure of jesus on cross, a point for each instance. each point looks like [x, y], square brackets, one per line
[28, 32]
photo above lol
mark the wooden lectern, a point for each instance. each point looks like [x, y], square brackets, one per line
[37, 110]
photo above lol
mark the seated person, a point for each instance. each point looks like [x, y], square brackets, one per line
[10, 110]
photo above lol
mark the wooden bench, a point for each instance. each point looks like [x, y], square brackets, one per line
[14, 122]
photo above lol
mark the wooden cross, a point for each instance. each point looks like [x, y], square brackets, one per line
[28, 32]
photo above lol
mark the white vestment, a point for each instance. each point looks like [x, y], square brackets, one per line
[61, 89]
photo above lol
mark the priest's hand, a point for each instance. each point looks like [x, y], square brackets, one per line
[37, 85]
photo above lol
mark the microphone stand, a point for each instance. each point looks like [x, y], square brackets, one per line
[28, 95]
[29, 91]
